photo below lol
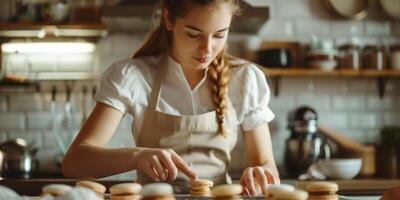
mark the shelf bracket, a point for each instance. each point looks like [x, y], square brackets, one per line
[381, 83]
[276, 83]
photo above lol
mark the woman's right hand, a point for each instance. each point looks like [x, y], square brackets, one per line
[162, 164]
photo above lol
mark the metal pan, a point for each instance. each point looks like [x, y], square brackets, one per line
[391, 8]
[348, 9]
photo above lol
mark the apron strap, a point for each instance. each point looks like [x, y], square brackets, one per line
[156, 87]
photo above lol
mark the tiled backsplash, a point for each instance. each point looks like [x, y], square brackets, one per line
[347, 105]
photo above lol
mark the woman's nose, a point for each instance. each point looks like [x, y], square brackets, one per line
[205, 46]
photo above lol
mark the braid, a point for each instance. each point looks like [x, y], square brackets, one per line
[219, 88]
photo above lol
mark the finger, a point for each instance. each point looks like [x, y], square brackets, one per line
[271, 177]
[149, 170]
[156, 164]
[261, 178]
[245, 191]
[183, 166]
[260, 175]
[249, 181]
[167, 162]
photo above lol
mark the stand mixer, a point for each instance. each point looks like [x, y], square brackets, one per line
[305, 145]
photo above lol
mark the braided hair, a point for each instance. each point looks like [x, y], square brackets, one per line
[160, 40]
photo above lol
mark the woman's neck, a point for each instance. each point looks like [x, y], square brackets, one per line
[193, 76]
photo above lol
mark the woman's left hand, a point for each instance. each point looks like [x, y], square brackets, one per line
[256, 179]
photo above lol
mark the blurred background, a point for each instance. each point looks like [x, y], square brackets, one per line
[333, 68]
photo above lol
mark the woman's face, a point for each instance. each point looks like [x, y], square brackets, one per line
[200, 35]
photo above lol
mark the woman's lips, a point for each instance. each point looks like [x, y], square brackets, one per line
[201, 60]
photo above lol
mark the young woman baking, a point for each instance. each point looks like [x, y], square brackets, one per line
[189, 101]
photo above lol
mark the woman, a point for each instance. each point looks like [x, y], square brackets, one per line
[189, 102]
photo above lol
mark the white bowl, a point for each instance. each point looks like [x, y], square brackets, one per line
[343, 168]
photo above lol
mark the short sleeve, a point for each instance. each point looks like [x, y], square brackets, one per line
[116, 86]
[256, 99]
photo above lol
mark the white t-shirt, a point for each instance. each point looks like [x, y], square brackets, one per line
[126, 86]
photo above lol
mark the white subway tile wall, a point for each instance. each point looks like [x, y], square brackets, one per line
[377, 28]
[3, 103]
[25, 102]
[344, 28]
[12, 121]
[347, 105]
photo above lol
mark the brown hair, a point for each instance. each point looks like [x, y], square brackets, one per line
[160, 40]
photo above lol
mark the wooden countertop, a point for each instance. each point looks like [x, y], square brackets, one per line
[356, 186]
[32, 187]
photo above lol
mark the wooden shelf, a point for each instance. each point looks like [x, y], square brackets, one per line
[64, 30]
[297, 72]
[85, 25]
[380, 75]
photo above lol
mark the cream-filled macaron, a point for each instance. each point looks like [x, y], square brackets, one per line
[98, 188]
[201, 187]
[125, 191]
[322, 190]
[157, 191]
[56, 189]
[227, 191]
[290, 195]
[278, 188]
[78, 193]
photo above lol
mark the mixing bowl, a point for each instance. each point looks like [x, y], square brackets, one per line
[340, 168]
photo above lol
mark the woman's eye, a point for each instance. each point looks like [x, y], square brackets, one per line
[192, 35]
[219, 36]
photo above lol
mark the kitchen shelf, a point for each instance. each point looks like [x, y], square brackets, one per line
[61, 30]
[380, 75]
[296, 72]
[10, 86]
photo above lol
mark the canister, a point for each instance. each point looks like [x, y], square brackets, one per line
[374, 57]
[349, 56]
[395, 56]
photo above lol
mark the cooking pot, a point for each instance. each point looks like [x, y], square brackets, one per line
[274, 57]
[19, 159]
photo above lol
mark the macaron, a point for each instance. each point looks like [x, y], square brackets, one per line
[125, 191]
[322, 190]
[274, 189]
[201, 187]
[98, 188]
[77, 193]
[56, 189]
[157, 191]
[227, 191]
[290, 195]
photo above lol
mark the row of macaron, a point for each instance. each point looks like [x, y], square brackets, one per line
[134, 191]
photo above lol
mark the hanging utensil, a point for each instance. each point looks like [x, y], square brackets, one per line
[84, 104]
[67, 121]
[55, 128]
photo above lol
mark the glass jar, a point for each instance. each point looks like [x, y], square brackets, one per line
[374, 57]
[349, 56]
[85, 10]
[395, 56]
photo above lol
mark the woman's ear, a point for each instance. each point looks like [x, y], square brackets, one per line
[166, 18]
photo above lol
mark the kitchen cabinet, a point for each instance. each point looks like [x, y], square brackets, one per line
[381, 75]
